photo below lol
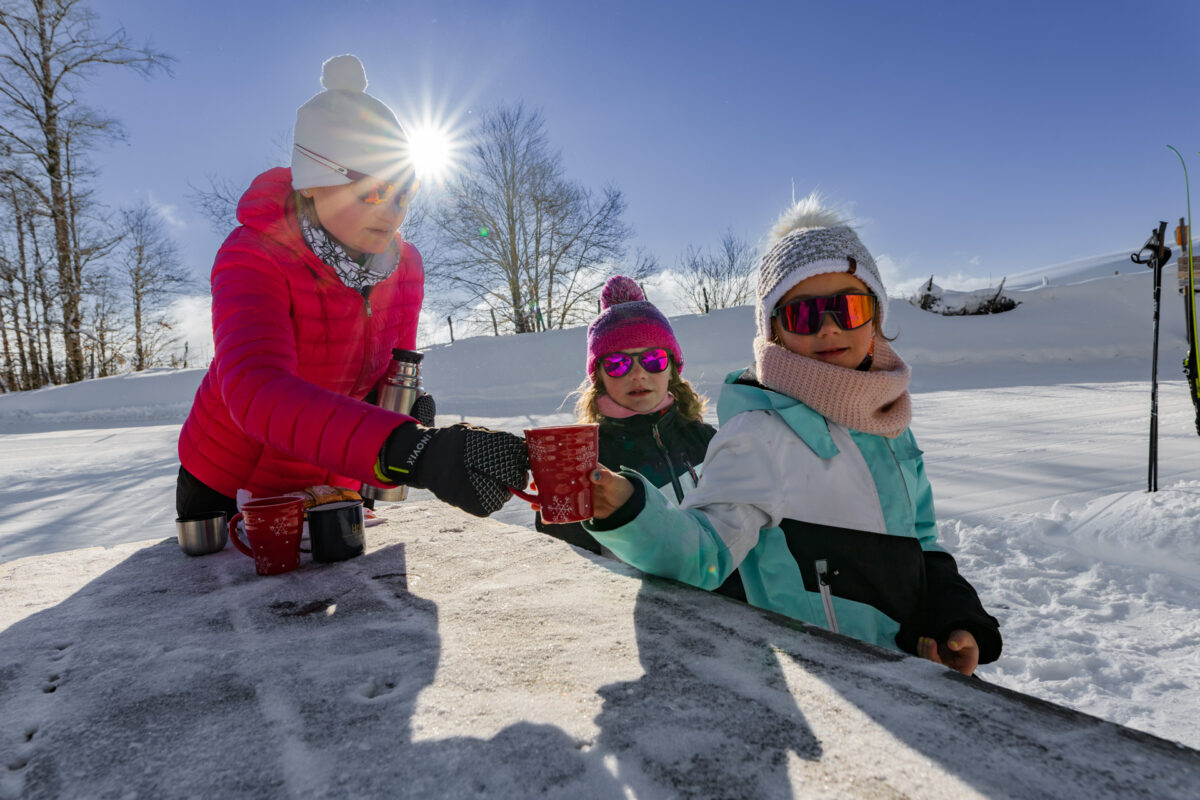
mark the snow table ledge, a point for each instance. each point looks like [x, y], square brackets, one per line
[468, 658]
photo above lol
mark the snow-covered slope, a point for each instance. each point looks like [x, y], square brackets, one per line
[1034, 426]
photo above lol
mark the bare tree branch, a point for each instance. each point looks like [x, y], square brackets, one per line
[519, 240]
[150, 273]
[218, 203]
[720, 278]
[48, 51]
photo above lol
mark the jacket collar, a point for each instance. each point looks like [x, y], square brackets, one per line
[640, 422]
[742, 392]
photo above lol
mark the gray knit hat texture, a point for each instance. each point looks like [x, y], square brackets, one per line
[809, 240]
[349, 127]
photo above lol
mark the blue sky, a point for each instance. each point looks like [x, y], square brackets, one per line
[969, 138]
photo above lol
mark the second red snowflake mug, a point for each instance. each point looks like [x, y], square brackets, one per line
[561, 459]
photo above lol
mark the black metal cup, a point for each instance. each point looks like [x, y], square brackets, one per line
[335, 530]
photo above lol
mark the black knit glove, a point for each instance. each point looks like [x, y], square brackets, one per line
[424, 410]
[463, 465]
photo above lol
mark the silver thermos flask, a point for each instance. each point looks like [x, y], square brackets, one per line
[400, 389]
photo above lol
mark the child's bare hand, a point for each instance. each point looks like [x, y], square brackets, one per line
[609, 492]
[959, 652]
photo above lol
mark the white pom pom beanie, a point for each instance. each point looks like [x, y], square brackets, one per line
[349, 127]
[808, 240]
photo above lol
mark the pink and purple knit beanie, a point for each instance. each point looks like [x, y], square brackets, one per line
[628, 321]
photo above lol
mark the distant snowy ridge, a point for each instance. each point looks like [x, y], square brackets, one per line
[1077, 271]
[156, 395]
[1096, 330]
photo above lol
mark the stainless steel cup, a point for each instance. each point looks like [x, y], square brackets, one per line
[199, 536]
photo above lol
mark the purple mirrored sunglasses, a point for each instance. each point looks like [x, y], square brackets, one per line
[654, 360]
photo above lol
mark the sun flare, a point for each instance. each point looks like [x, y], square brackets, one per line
[433, 152]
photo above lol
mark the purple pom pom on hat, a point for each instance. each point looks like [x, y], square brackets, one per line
[628, 321]
[620, 289]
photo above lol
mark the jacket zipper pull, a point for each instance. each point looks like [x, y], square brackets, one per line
[822, 567]
[366, 294]
[691, 471]
[670, 466]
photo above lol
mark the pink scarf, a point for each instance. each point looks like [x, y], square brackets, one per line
[876, 401]
[611, 408]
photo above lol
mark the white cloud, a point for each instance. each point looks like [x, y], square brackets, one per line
[192, 317]
[889, 272]
[432, 329]
[167, 212]
[665, 292]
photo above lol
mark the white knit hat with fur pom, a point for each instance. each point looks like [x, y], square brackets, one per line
[810, 239]
[348, 127]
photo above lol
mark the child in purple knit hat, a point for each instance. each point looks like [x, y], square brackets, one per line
[651, 419]
[628, 320]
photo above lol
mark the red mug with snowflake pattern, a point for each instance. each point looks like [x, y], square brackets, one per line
[561, 459]
[274, 526]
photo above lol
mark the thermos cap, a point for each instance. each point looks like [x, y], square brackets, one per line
[407, 356]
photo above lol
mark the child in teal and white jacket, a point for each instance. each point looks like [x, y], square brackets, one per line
[814, 492]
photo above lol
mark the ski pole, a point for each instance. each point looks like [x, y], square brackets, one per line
[1158, 256]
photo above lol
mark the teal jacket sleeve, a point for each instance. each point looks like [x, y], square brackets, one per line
[670, 542]
[924, 515]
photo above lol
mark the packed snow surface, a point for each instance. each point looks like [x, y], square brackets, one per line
[1034, 424]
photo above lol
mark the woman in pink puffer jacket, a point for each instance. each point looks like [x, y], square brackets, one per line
[310, 295]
